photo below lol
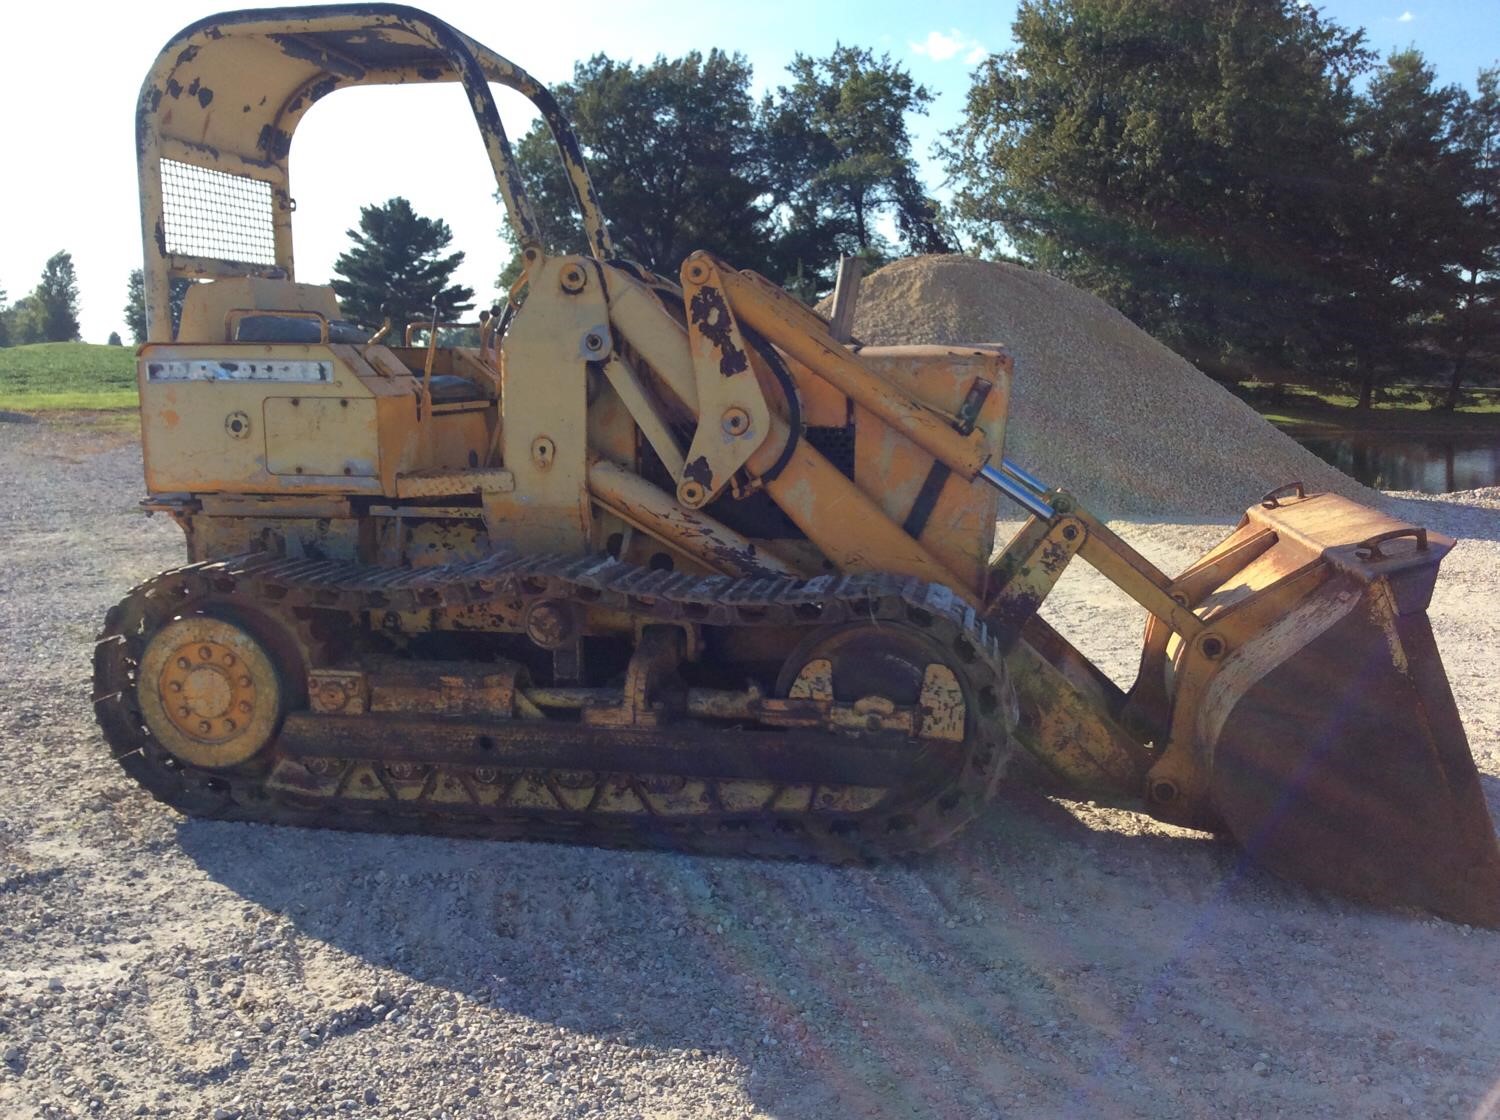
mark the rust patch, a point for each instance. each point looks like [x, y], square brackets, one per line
[204, 95]
[1055, 556]
[275, 142]
[710, 314]
[1012, 611]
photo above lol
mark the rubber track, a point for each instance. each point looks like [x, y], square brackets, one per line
[289, 589]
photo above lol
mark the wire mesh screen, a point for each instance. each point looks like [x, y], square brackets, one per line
[217, 215]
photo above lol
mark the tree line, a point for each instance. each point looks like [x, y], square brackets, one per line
[684, 157]
[1249, 182]
[1246, 181]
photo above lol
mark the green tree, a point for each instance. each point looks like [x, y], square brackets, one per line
[115, 339]
[1181, 160]
[675, 156]
[396, 271]
[135, 303]
[4, 319]
[25, 324]
[840, 154]
[1401, 214]
[1470, 331]
[56, 297]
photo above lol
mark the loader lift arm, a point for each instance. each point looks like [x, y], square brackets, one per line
[1289, 690]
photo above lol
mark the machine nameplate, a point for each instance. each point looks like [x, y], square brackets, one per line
[215, 369]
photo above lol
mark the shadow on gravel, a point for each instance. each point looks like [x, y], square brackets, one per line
[934, 987]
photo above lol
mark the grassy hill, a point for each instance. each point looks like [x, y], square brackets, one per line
[67, 375]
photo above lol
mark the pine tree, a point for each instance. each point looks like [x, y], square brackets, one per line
[1470, 331]
[1401, 213]
[57, 299]
[1180, 160]
[395, 270]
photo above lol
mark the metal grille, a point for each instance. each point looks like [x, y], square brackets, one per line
[217, 215]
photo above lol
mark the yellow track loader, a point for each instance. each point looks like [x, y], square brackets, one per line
[661, 561]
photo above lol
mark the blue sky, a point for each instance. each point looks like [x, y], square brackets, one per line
[70, 179]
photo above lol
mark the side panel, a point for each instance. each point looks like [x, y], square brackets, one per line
[959, 526]
[209, 424]
[325, 436]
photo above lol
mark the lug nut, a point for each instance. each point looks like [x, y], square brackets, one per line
[184, 663]
[229, 725]
[175, 686]
[229, 659]
[205, 654]
[205, 727]
[245, 682]
[245, 707]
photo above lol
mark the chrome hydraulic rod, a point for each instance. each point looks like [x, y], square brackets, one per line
[1015, 491]
[1022, 475]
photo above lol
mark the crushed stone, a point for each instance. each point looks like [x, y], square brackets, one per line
[1098, 406]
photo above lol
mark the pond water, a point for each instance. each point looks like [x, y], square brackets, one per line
[1433, 466]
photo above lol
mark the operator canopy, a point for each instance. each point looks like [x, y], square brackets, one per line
[218, 110]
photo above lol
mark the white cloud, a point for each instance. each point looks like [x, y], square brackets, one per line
[941, 46]
[1405, 17]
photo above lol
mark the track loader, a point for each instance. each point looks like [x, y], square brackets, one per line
[661, 561]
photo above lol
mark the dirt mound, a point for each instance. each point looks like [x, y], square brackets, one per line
[1099, 406]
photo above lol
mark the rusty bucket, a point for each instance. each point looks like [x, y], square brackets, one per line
[1318, 727]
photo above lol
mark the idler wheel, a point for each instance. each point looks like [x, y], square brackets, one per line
[209, 692]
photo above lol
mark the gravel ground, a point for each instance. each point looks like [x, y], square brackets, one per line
[1060, 960]
[1098, 405]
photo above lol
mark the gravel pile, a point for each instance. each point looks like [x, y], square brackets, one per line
[1062, 959]
[1099, 406]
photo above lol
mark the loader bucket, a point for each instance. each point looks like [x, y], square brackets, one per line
[1325, 736]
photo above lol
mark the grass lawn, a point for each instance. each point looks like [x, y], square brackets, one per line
[1306, 411]
[67, 376]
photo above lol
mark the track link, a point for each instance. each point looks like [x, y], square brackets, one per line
[292, 592]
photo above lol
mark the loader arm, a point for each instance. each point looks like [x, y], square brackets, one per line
[1290, 692]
